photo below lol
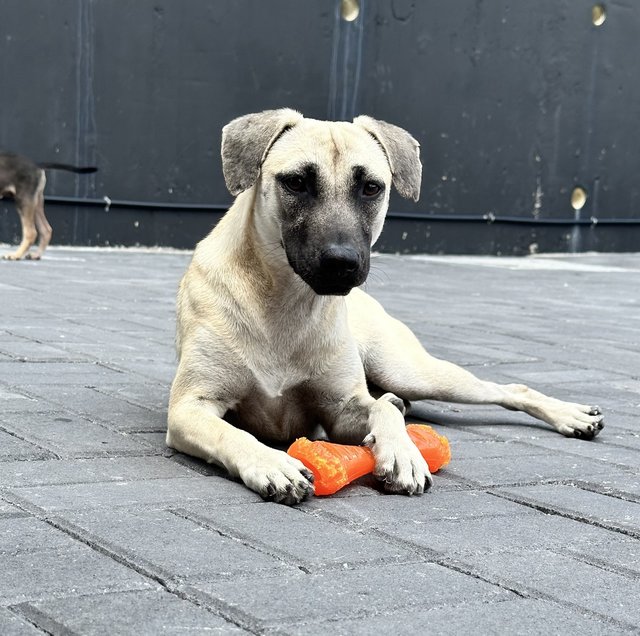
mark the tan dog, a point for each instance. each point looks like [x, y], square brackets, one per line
[274, 339]
[24, 180]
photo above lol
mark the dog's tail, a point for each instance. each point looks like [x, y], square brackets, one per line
[68, 168]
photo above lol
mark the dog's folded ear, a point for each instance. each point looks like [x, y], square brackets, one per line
[246, 141]
[403, 154]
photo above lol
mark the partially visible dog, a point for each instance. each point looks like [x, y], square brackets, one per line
[25, 180]
[274, 338]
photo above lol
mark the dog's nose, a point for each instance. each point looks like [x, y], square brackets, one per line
[341, 260]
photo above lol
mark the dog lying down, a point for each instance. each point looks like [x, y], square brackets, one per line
[25, 180]
[273, 335]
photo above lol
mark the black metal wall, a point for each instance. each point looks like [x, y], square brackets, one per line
[515, 104]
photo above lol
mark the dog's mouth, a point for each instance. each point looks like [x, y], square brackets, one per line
[324, 289]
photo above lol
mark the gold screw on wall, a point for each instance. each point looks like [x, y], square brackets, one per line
[349, 10]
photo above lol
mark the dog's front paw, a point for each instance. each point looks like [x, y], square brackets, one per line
[278, 477]
[399, 464]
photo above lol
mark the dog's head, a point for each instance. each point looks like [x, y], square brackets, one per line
[323, 188]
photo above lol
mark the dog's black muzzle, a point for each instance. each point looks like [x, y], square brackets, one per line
[338, 269]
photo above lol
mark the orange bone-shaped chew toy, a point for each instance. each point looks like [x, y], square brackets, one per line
[336, 465]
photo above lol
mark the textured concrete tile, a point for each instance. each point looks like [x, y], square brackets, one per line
[140, 613]
[627, 486]
[39, 575]
[14, 474]
[351, 593]
[35, 373]
[520, 617]
[435, 505]
[534, 468]
[14, 625]
[302, 537]
[581, 584]
[490, 449]
[489, 534]
[12, 447]
[90, 403]
[9, 510]
[25, 350]
[70, 436]
[27, 534]
[156, 441]
[586, 504]
[173, 544]
[617, 449]
[135, 493]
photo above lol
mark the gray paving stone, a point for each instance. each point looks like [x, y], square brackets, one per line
[535, 468]
[31, 351]
[141, 613]
[546, 572]
[628, 487]
[520, 617]
[9, 510]
[26, 534]
[178, 547]
[619, 449]
[146, 394]
[303, 538]
[35, 373]
[32, 576]
[135, 493]
[585, 504]
[492, 449]
[466, 537]
[14, 625]
[88, 402]
[352, 593]
[70, 436]
[435, 505]
[12, 447]
[11, 398]
[156, 441]
[15, 474]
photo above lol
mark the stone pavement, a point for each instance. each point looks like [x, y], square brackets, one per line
[105, 531]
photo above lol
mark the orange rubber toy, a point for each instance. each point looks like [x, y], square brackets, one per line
[336, 465]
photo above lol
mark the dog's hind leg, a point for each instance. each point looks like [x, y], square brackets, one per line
[395, 361]
[27, 211]
[44, 229]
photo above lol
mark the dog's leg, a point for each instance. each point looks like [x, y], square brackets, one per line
[395, 361]
[27, 212]
[44, 229]
[196, 428]
[379, 424]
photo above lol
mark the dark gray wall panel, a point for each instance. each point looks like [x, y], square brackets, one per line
[514, 102]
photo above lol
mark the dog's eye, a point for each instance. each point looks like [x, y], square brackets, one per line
[371, 189]
[295, 184]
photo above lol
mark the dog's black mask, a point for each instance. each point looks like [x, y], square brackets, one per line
[330, 269]
[327, 235]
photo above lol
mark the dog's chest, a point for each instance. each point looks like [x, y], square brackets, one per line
[274, 375]
[288, 355]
